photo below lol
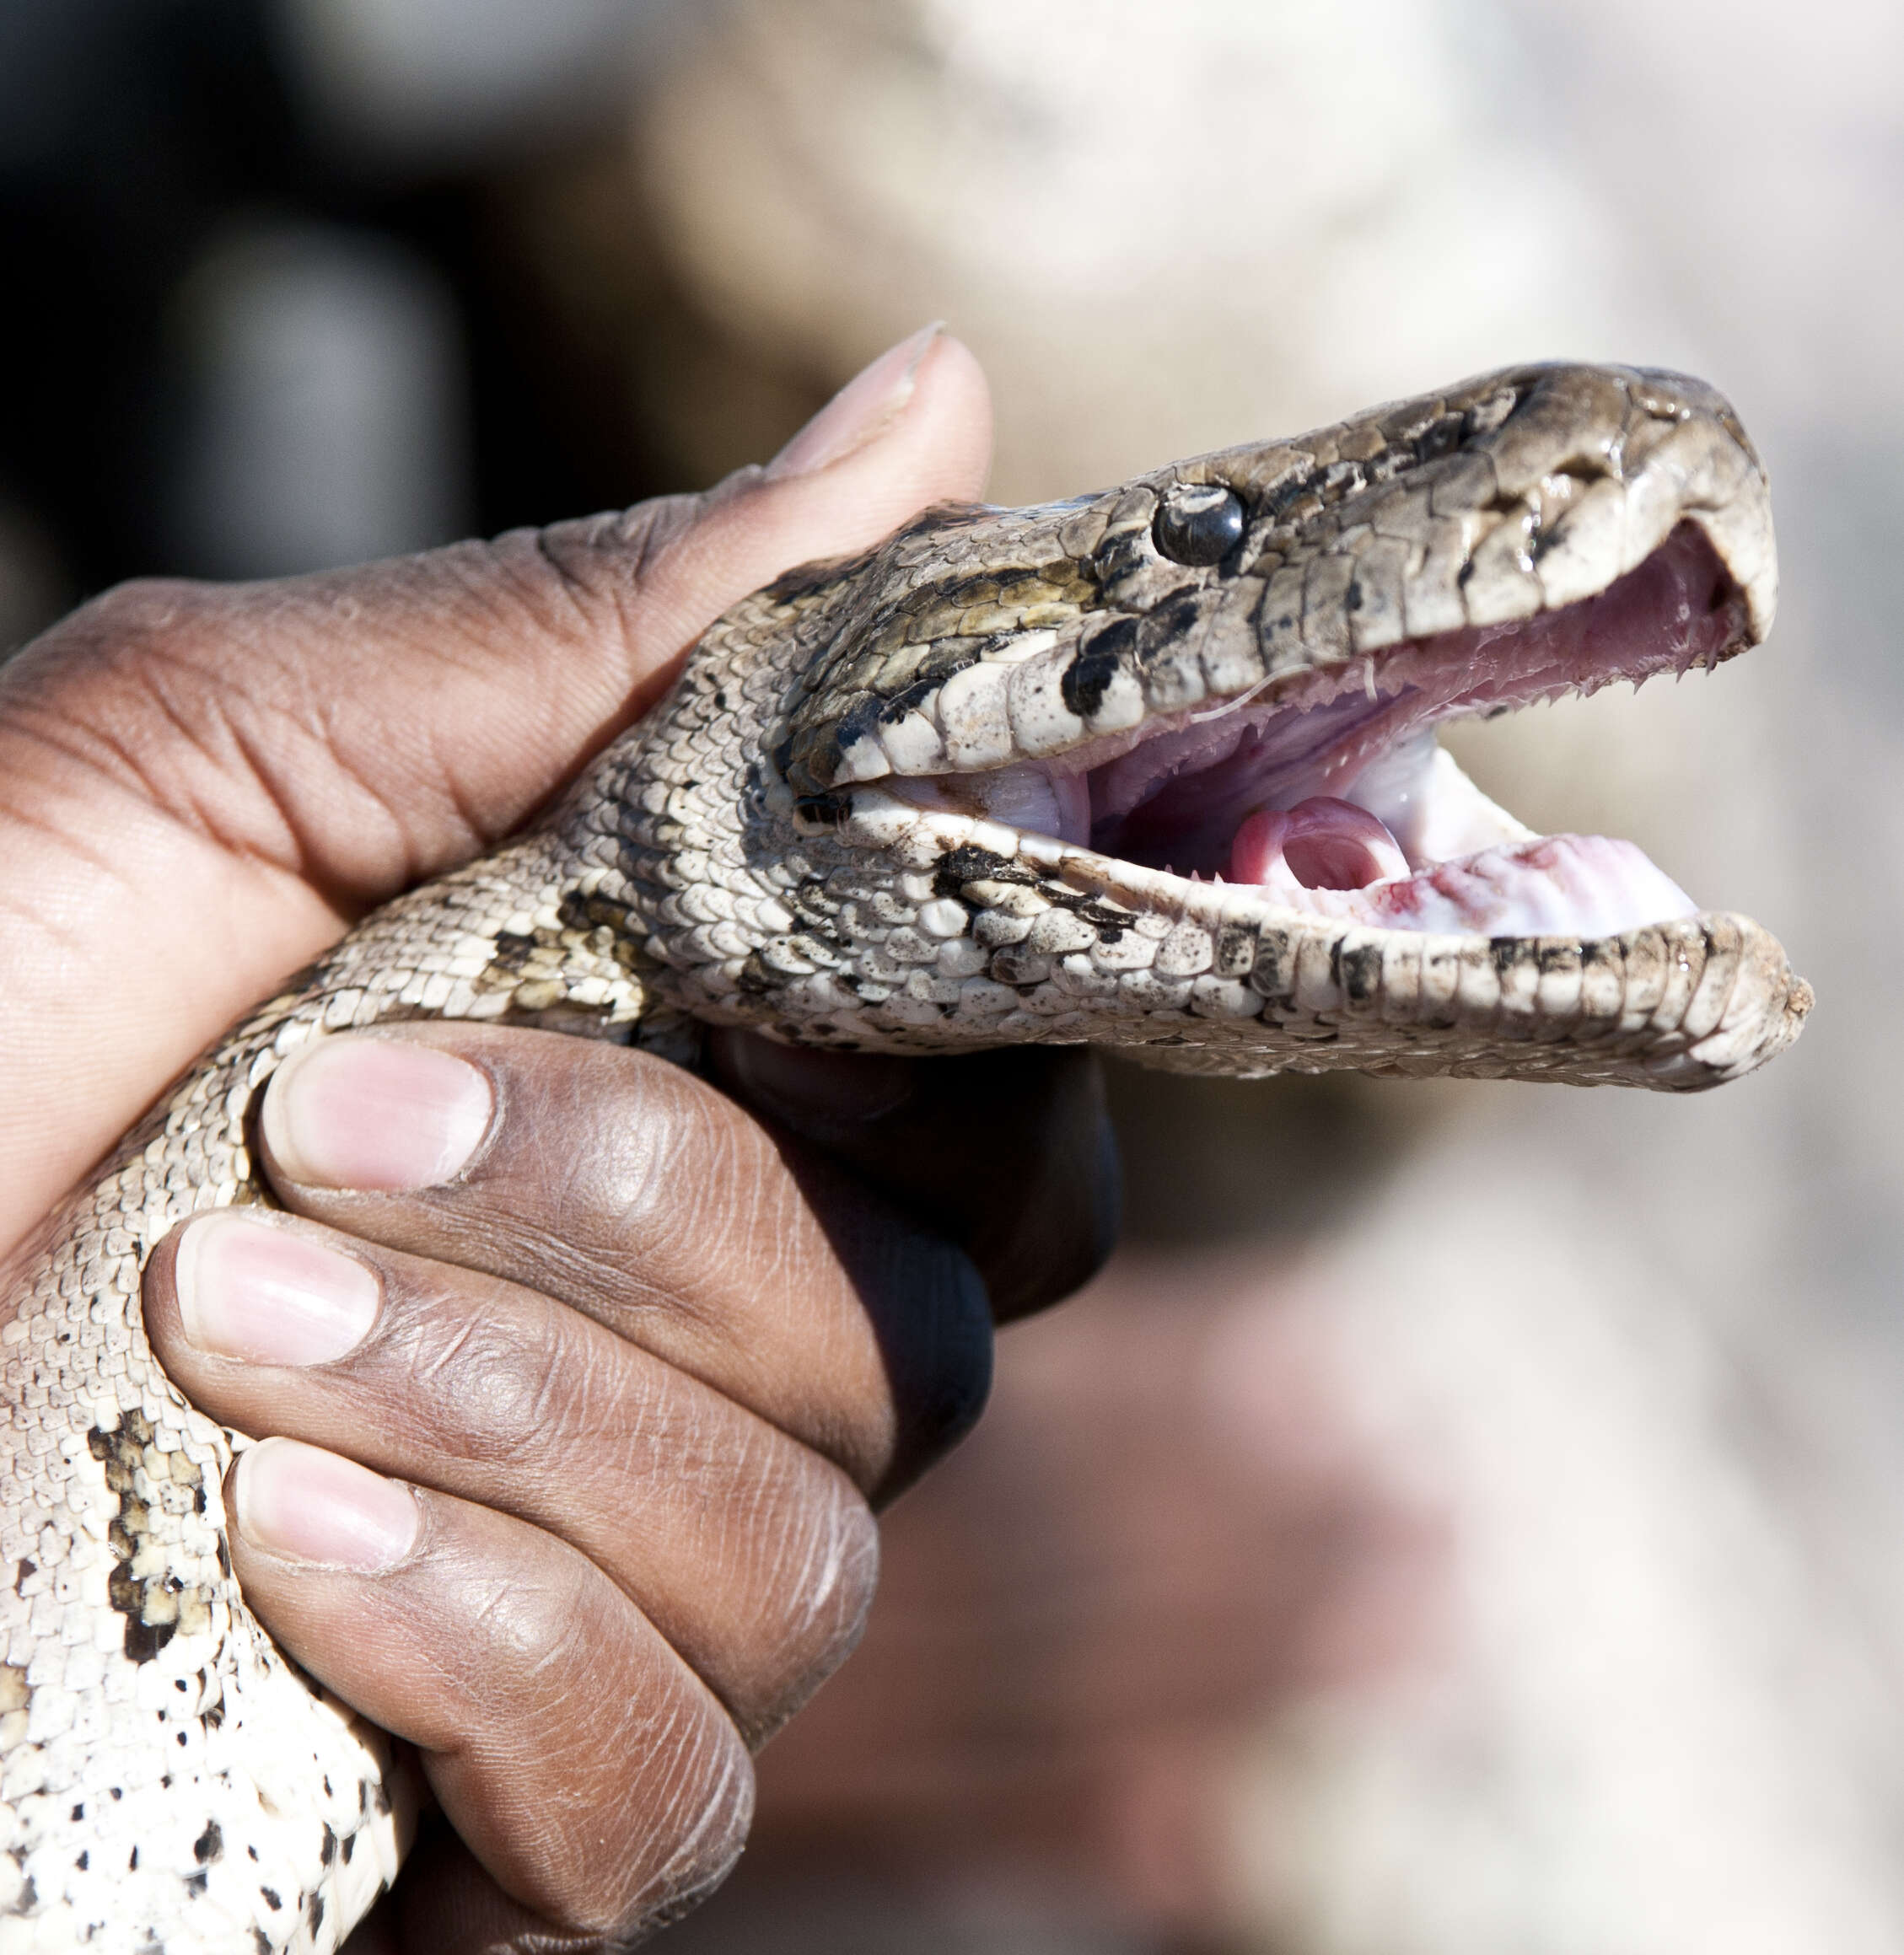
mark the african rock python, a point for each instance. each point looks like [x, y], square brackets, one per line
[863, 817]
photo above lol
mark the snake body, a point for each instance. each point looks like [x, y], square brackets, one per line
[813, 835]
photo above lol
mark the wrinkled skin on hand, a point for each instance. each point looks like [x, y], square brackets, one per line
[638, 1370]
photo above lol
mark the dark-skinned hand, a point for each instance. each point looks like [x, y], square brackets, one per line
[581, 1377]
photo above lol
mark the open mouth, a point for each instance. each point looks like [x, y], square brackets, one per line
[1158, 767]
[1330, 794]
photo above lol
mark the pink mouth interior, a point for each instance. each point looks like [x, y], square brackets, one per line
[1257, 794]
[1580, 885]
[1178, 796]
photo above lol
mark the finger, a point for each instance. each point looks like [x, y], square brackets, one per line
[582, 1762]
[1009, 1153]
[631, 1191]
[206, 783]
[752, 1555]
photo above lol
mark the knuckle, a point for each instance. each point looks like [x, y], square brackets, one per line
[485, 1391]
[611, 550]
[834, 1587]
[713, 1817]
[579, 576]
[677, 1168]
[632, 1790]
[666, 1117]
[593, 1140]
[120, 631]
[528, 1625]
[143, 608]
[686, 1815]
[822, 1571]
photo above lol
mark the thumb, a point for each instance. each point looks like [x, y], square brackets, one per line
[200, 786]
[365, 727]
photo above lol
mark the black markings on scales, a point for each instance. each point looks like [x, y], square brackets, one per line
[155, 1605]
[1088, 677]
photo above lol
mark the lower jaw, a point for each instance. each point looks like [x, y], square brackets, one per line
[1445, 860]
[1412, 845]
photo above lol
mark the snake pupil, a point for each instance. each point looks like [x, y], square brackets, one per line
[1197, 523]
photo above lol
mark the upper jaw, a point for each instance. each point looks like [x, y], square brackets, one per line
[1018, 635]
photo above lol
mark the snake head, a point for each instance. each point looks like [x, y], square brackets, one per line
[1160, 764]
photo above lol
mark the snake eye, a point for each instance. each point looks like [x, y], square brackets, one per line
[1198, 522]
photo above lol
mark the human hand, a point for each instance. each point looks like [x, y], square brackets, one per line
[647, 1359]
[646, 1367]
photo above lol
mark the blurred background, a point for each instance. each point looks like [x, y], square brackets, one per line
[1462, 1520]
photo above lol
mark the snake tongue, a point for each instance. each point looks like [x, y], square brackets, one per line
[1319, 844]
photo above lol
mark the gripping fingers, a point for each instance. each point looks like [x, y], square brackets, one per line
[753, 1555]
[589, 1769]
[651, 1203]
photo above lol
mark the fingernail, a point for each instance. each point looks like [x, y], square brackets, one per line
[269, 1295]
[816, 1094]
[861, 411]
[375, 1114]
[308, 1504]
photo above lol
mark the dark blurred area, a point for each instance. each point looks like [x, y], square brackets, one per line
[259, 331]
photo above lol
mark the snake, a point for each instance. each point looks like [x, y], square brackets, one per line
[1154, 770]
